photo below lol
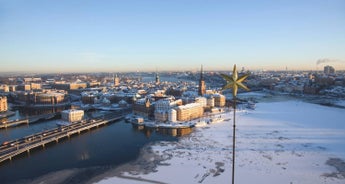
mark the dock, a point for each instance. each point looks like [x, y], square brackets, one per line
[14, 123]
[10, 149]
[31, 119]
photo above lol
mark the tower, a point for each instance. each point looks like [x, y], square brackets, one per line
[116, 80]
[202, 87]
[328, 70]
[157, 78]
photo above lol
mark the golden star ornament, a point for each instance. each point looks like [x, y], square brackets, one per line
[234, 82]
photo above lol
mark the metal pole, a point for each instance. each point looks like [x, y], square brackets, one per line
[233, 143]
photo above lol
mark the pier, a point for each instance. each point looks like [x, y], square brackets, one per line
[31, 119]
[10, 149]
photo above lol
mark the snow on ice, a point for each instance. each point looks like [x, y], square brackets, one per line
[280, 142]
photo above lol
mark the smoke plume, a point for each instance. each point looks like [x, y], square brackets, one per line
[327, 60]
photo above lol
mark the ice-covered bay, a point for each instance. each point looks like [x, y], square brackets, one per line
[279, 142]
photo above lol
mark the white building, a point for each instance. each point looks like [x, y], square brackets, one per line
[162, 105]
[163, 110]
[210, 101]
[219, 100]
[172, 115]
[161, 116]
[189, 112]
[72, 115]
[202, 101]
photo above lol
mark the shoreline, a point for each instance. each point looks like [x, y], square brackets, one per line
[6, 114]
[279, 152]
[271, 143]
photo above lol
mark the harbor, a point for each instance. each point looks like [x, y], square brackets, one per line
[31, 119]
[9, 149]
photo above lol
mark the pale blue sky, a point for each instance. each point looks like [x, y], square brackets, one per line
[131, 35]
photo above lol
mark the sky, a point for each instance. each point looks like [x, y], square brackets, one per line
[163, 35]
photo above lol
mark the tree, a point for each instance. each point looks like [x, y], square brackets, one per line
[234, 82]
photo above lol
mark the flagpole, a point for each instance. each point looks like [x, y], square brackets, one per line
[233, 141]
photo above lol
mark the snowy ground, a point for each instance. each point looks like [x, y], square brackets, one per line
[280, 142]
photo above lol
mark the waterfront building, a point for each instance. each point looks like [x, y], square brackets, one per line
[3, 104]
[143, 107]
[189, 111]
[72, 115]
[162, 105]
[202, 87]
[161, 115]
[172, 115]
[219, 100]
[47, 97]
[163, 109]
[202, 101]
[210, 101]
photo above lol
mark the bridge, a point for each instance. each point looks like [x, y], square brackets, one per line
[10, 149]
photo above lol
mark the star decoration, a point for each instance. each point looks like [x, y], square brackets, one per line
[234, 82]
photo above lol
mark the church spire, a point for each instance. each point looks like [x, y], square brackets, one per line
[157, 78]
[202, 87]
[202, 73]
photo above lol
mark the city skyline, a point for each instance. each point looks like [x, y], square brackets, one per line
[108, 36]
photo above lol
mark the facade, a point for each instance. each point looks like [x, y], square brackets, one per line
[143, 107]
[4, 88]
[219, 100]
[49, 98]
[162, 105]
[3, 104]
[24, 87]
[328, 70]
[163, 110]
[73, 86]
[172, 115]
[89, 97]
[210, 101]
[161, 115]
[94, 84]
[202, 101]
[202, 87]
[189, 112]
[41, 98]
[116, 81]
[12, 88]
[29, 80]
[72, 115]
[35, 86]
[69, 86]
